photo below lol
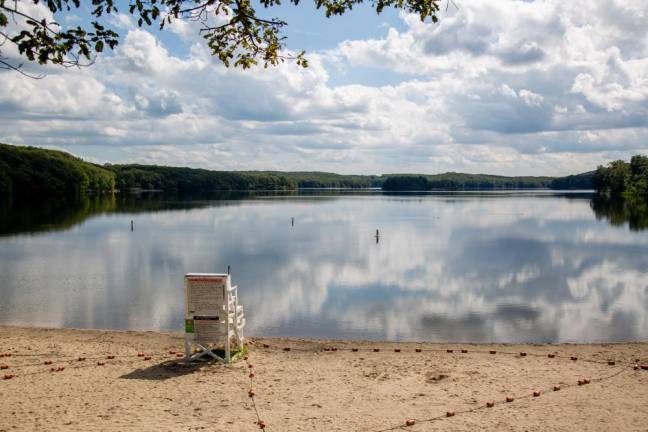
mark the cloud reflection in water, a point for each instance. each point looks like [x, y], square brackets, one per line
[516, 268]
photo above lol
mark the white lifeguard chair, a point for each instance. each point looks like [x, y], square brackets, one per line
[213, 317]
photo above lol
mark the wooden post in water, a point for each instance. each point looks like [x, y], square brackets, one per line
[131, 225]
[228, 269]
[292, 221]
[377, 236]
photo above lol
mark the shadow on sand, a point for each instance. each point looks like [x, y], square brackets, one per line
[170, 369]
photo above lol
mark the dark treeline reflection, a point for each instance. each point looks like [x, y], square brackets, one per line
[54, 214]
[50, 214]
[618, 211]
[33, 216]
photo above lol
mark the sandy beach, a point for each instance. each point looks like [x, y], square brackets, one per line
[315, 386]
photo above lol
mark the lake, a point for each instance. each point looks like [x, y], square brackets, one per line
[519, 266]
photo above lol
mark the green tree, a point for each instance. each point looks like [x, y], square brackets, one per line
[618, 176]
[241, 37]
[639, 176]
[623, 179]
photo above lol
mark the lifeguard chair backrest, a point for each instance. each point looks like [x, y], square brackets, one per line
[206, 296]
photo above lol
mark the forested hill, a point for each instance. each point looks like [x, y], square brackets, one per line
[455, 181]
[578, 181]
[192, 180]
[31, 171]
[318, 179]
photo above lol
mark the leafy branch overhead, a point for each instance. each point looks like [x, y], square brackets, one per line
[233, 29]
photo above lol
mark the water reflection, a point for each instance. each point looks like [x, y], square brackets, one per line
[621, 212]
[461, 267]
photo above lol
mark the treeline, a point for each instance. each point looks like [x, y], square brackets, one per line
[318, 179]
[191, 180]
[578, 181]
[622, 179]
[31, 171]
[457, 181]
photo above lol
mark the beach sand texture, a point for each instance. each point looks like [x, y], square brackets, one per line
[309, 389]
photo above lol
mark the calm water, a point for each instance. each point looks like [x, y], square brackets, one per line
[508, 267]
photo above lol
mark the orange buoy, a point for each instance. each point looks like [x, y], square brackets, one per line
[464, 351]
[410, 422]
[3, 367]
[523, 354]
[556, 388]
[251, 393]
[536, 393]
[397, 350]
[509, 399]
[147, 358]
[551, 355]
[493, 352]
[418, 350]
[450, 414]
[490, 404]
[262, 424]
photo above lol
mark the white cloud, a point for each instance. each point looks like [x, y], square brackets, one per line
[511, 87]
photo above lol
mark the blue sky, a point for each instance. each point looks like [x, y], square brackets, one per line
[506, 87]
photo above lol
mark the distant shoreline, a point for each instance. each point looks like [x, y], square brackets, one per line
[33, 171]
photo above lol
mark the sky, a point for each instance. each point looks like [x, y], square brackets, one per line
[511, 87]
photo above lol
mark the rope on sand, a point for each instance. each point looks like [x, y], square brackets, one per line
[251, 393]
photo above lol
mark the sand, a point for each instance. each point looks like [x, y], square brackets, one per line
[309, 389]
